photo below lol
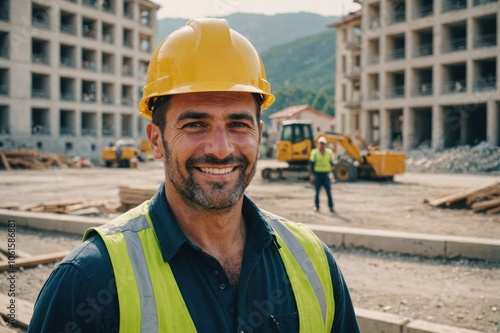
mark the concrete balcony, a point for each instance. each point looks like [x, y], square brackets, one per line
[455, 87]
[423, 89]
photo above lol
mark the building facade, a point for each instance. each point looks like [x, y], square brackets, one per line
[72, 72]
[430, 72]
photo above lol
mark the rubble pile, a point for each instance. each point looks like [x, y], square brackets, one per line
[34, 159]
[482, 158]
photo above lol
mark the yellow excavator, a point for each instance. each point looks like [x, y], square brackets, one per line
[297, 142]
[122, 154]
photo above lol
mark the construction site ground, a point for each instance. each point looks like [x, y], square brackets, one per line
[459, 292]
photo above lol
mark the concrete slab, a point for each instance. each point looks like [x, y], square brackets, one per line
[420, 326]
[49, 221]
[379, 322]
[473, 247]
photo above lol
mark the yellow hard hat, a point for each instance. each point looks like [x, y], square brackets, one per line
[205, 55]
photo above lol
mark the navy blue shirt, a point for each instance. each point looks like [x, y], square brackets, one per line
[80, 294]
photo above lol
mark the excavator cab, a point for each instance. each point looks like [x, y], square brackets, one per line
[296, 142]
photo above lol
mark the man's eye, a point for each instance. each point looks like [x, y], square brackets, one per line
[193, 124]
[239, 124]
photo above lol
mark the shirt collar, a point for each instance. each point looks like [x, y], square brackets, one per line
[171, 237]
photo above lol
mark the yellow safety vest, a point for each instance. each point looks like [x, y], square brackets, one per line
[141, 273]
[322, 162]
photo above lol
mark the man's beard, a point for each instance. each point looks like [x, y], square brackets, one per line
[220, 196]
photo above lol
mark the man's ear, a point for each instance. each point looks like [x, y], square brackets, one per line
[155, 140]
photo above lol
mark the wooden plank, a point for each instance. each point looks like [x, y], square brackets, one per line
[19, 253]
[36, 260]
[482, 205]
[495, 190]
[24, 310]
[5, 161]
[441, 195]
[461, 195]
[493, 211]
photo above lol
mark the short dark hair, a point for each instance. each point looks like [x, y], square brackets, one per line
[160, 105]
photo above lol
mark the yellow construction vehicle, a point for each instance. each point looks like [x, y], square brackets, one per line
[122, 154]
[297, 142]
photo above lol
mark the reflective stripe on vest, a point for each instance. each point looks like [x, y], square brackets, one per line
[141, 273]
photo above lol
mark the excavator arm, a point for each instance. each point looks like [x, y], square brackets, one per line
[346, 142]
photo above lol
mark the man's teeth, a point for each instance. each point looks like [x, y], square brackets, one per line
[217, 171]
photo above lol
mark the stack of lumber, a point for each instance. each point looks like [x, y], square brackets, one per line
[34, 159]
[484, 198]
[73, 207]
[133, 195]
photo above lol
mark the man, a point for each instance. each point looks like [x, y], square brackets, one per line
[320, 165]
[200, 256]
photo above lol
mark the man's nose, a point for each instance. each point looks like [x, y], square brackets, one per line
[219, 143]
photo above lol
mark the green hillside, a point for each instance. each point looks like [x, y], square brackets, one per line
[264, 31]
[303, 72]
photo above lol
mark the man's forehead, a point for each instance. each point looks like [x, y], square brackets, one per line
[213, 98]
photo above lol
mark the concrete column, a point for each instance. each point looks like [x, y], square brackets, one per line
[464, 126]
[408, 128]
[385, 128]
[492, 123]
[437, 127]
[364, 125]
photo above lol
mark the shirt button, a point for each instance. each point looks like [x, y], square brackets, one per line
[215, 272]
[222, 286]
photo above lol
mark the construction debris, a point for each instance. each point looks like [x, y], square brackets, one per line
[479, 199]
[34, 159]
[73, 207]
[34, 260]
[135, 195]
[482, 158]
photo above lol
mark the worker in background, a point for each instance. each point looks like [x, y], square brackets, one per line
[200, 256]
[320, 165]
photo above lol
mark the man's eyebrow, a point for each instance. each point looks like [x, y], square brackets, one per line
[194, 115]
[241, 116]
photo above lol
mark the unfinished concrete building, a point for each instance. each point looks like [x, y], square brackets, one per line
[430, 72]
[72, 72]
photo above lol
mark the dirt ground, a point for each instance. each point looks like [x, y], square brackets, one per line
[462, 293]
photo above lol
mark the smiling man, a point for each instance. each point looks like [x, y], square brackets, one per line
[200, 256]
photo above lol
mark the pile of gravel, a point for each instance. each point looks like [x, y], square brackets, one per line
[482, 158]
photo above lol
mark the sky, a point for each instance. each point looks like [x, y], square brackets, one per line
[206, 8]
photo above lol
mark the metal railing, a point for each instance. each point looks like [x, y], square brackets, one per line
[106, 99]
[482, 2]
[89, 33]
[455, 44]
[40, 22]
[4, 14]
[68, 28]
[128, 43]
[127, 70]
[67, 61]
[374, 24]
[88, 97]
[397, 17]
[396, 54]
[423, 89]
[455, 87]
[39, 58]
[449, 5]
[127, 101]
[40, 129]
[67, 96]
[108, 132]
[4, 90]
[396, 92]
[90, 3]
[67, 131]
[355, 72]
[40, 93]
[128, 14]
[108, 38]
[107, 68]
[89, 131]
[486, 40]
[354, 102]
[374, 95]
[424, 50]
[4, 52]
[353, 42]
[373, 59]
[485, 83]
[424, 11]
[88, 65]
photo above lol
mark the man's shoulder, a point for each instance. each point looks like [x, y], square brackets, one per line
[90, 254]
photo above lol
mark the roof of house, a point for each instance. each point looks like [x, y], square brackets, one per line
[293, 110]
[346, 19]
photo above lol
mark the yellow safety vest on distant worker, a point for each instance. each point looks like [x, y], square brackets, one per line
[131, 242]
[322, 162]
